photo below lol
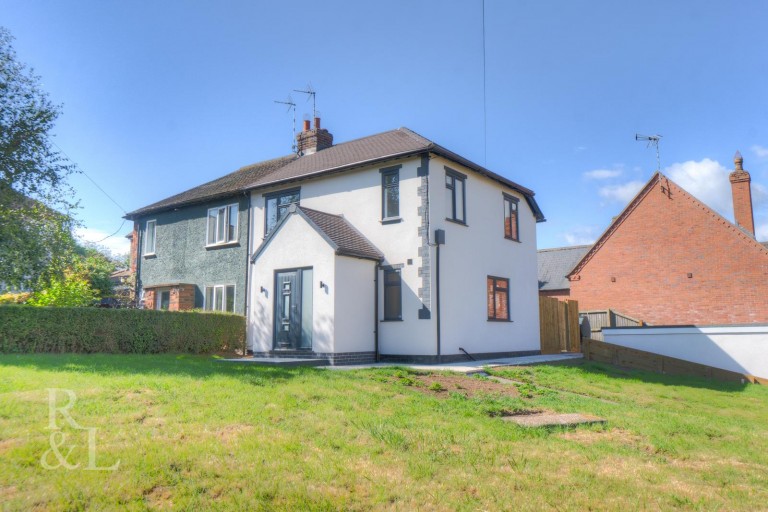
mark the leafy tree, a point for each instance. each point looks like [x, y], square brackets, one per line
[97, 267]
[35, 236]
[71, 289]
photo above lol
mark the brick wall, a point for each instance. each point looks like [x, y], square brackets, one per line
[134, 246]
[182, 298]
[149, 299]
[671, 260]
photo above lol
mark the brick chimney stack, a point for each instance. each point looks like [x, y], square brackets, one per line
[742, 196]
[313, 140]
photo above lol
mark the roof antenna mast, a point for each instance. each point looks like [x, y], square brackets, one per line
[291, 105]
[653, 140]
[310, 92]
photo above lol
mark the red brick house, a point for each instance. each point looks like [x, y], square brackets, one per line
[669, 259]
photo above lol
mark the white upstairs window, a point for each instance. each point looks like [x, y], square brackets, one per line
[222, 225]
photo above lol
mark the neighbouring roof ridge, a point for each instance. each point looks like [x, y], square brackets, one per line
[566, 248]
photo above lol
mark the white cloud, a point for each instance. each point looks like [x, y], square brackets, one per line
[761, 232]
[602, 174]
[579, 149]
[118, 245]
[707, 180]
[581, 235]
[622, 193]
[760, 151]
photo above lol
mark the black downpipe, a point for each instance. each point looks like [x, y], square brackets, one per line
[437, 299]
[247, 272]
[376, 312]
[138, 283]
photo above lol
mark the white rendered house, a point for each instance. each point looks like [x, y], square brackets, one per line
[389, 247]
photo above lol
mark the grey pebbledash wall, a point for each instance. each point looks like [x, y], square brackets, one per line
[181, 255]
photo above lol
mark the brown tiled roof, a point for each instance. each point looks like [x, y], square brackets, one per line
[346, 155]
[335, 229]
[348, 240]
[225, 186]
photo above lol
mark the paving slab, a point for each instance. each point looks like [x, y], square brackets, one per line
[549, 419]
[277, 361]
[468, 367]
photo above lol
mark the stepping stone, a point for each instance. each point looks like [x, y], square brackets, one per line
[550, 419]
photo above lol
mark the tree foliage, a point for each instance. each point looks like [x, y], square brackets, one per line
[35, 200]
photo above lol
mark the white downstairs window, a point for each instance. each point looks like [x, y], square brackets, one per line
[220, 298]
[222, 225]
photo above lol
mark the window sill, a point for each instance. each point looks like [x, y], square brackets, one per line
[455, 221]
[150, 255]
[500, 320]
[391, 320]
[391, 220]
[219, 246]
[512, 239]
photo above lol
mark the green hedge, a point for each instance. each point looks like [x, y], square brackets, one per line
[25, 329]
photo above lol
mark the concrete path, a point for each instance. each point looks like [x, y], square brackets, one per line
[468, 367]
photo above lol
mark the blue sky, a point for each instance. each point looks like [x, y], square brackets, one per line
[159, 97]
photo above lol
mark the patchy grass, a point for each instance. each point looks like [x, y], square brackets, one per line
[195, 434]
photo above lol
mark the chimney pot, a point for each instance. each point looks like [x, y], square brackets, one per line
[311, 141]
[738, 161]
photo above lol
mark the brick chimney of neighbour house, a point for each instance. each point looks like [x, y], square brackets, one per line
[742, 196]
[313, 140]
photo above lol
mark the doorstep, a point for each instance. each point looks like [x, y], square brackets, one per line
[287, 362]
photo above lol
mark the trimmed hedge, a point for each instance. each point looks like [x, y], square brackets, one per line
[25, 329]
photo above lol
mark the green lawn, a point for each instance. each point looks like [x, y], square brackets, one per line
[195, 434]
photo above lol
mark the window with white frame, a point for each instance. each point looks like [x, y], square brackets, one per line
[220, 298]
[150, 237]
[222, 225]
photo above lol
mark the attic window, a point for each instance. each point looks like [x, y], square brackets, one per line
[222, 225]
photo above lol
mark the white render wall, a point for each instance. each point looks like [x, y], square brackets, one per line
[739, 348]
[475, 251]
[357, 195]
[471, 254]
[297, 246]
[354, 303]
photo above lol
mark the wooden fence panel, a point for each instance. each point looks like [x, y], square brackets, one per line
[574, 331]
[607, 318]
[559, 326]
[549, 326]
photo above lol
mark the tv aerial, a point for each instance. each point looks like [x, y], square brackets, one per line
[291, 106]
[652, 140]
[310, 92]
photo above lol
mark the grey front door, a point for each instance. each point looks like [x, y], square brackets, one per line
[293, 309]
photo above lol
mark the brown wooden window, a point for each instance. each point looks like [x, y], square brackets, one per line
[511, 227]
[498, 298]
